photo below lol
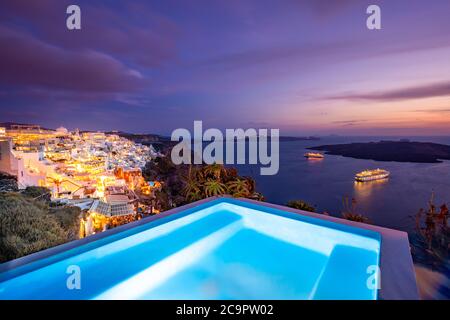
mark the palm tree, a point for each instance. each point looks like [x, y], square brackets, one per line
[239, 188]
[231, 173]
[218, 171]
[251, 184]
[194, 195]
[192, 186]
[214, 188]
[197, 173]
[192, 189]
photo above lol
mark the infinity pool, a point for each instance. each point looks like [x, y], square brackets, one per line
[224, 249]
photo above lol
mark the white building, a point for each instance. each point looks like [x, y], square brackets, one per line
[33, 169]
[8, 162]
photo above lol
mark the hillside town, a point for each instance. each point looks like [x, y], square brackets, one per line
[99, 173]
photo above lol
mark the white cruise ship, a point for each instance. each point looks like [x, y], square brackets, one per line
[370, 175]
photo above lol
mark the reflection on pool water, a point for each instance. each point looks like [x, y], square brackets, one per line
[225, 249]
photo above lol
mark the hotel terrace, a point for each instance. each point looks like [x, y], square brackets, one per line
[242, 249]
[98, 172]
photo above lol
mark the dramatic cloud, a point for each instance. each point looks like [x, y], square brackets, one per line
[420, 92]
[155, 65]
[133, 32]
[26, 61]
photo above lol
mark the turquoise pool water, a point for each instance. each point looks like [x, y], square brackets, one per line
[225, 249]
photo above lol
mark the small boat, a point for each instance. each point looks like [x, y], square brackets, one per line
[313, 155]
[370, 175]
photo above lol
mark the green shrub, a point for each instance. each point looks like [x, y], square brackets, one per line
[27, 225]
[38, 193]
[301, 205]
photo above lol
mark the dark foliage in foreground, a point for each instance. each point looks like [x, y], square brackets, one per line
[431, 241]
[8, 183]
[28, 225]
[38, 193]
[301, 205]
[349, 211]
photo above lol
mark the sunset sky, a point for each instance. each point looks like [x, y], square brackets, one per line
[308, 67]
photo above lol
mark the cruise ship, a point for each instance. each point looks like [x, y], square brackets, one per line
[370, 175]
[312, 155]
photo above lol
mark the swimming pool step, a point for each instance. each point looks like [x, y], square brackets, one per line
[345, 275]
[141, 284]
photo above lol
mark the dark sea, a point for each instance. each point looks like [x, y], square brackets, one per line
[391, 203]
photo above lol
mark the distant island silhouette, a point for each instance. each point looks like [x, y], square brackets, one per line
[398, 151]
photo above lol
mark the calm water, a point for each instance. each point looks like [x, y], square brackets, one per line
[226, 250]
[325, 183]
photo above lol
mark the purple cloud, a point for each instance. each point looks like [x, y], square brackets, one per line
[27, 61]
[163, 63]
[346, 123]
[420, 92]
[138, 34]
